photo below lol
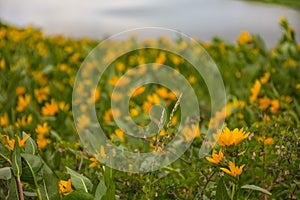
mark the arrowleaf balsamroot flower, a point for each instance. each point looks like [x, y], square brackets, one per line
[65, 187]
[233, 170]
[23, 102]
[229, 138]
[23, 140]
[255, 90]
[216, 158]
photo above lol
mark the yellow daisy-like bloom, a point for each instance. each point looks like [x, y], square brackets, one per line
[23, 102]
[20, 91]
[42, 129]
[229, 138]
[233, 170]
[265, 78]
[255, 90]
[50, 108]
[8, 143]
[120, 134]
[65, 187]
[274, 106]
[95, 163]
[22, 141]
[4, 121]
[41, 94]
[244, 38]
[266, 141]
[264, 103]
[216, 158]
[138, 91]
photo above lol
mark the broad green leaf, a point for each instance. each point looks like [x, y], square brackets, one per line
[16, 161]
[79, 181]
[30, 145]
[256, 188]
[35, 162]
[49, 183]
[76, 195]
[101, 190]
[13, 190]
[5, 173]
[221, 193]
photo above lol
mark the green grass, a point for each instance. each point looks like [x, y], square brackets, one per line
[290, 3]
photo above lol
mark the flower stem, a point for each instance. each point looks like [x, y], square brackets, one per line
[20, 188]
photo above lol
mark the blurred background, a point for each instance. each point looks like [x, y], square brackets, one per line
[201, 19]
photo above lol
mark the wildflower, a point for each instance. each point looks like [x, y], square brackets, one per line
[8, 143]
[65, 187]
[41, 94]
[138, 91]
[255, 90]
[83, 121]
[63, 106]
[95, 163]
[23, 102]
[107, 116]
[42, 129]
[20, 91]
[50, 108]
[120, 134]
[22, 141]
[153, 99]
[23, 121]
[4, 120]
[42, 141]
[244, 38]
[229, 138]
[269, 141]
[274, 106]
[264, 103]
[216, 158]
[120, 67]
[233, 170]
[265, 78]
[134, 112]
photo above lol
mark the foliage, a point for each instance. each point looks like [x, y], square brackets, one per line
[42, 158]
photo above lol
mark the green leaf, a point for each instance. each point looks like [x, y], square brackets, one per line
[256, 188]
[221, 193]
[13, 190]
[79, 195]
[35, 162]
[79, 181]
[30, 145]
[5, 173]
[101, 190]
[49, 183]
[16, 161]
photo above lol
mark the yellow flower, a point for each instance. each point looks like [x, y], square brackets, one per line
[50, 108]
[4, 120]
[42, 129]
[107, 116]
[255, 90]
[266, 141]
[23, 102]
[22, 141]
[65, 187]
[42, 141]
[120, 134]
[24, 121]
[133, 112]
[83, 121]
[244, 38]
[8, 143]
[229, 138]
[41, 94]
[138, 91]
[20, 91]
[216, 158]
[95, 163]
[265, 78]
[264, 103]
[269, 141]
[234, 170]
[274, 106]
